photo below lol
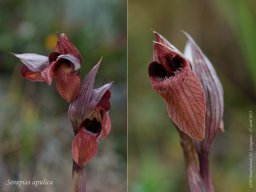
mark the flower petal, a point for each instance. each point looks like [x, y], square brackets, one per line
[30, 75]
[34, 62]
[79, 107]
[212, 88]
[97, 97]
[162, 40]
[104, 102]
[76, 63]
[68, 85]
[64, 46]
[48, 73]
[84, 147]
[107, 125]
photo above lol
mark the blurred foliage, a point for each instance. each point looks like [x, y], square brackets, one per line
[35, 133]
[241, 16]
[225, 31]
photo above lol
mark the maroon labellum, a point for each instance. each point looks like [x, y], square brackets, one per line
[89, 115]
[63, 64]
[171, 76]
[84, 147]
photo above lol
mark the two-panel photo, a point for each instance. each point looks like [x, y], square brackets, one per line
[127, 96]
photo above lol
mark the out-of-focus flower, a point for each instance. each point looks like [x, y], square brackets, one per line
[63, 64]
[50, 41]
[171, 76]
[89, 115]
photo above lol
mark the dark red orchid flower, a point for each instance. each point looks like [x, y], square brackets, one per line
[63, 64]
[89, 115]
[171, 76]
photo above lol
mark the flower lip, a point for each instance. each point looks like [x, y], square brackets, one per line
[92, 126]
[84, 147]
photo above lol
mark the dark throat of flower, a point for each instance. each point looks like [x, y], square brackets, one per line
[93, 126]
[168, 67]
[63, 66]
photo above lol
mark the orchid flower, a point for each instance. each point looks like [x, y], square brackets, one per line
[171, 76]
[89, 115]
[63, 64]
[194, 96]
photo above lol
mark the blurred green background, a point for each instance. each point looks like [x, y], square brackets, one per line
[35, 133]
[226, 32]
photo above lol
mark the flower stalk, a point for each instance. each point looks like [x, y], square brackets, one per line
[195, 181]
[79, 178]
[205, 169]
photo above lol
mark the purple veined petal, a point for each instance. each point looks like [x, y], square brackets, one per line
[79, 107]
[200, 63]
[160, 49]
[212, 86]
[161, 39]
[76, 63]
[34, 62]
[97, 94]
[64, 46]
